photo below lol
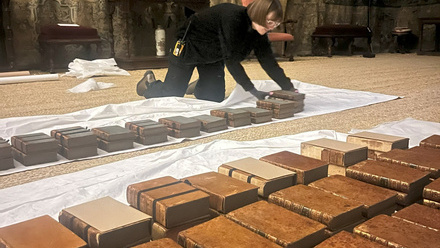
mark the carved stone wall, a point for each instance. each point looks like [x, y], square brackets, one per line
[28, 15]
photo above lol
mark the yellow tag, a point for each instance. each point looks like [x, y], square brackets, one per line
[178, 48]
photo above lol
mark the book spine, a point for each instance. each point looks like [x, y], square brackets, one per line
[80, 228]
[378, 180]
[432, 204]
[430, 194]
[333, 157]
[187, 242]
[377, 239]
[219, 113]
[431, 145]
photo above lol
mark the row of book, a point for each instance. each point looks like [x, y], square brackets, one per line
[281, 199]
[79, 142]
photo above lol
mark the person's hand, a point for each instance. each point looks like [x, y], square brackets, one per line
[294, 90]
[261, 95]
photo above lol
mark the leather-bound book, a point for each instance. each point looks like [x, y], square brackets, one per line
[432, 191]
[169, 201]
[134, 125]
[211, 123]
[392, 176]
[275, 104]
[422, 158]
[40, 232]
[432, 141]
[239, 122]
[346, 239]
[153, 139]
[230, 113]
[113, 133]
[34, 143]
[33, 158]
[158, 231]
[420, 215]
[375, 200]
[184, 133]
[431, 204]
[329, 209]
[146, 128]
[222, 233]
[180, 122]
[117, 145]
[78, 151]
[259, 115]
[279, 225]
[161, 243]
[278, 114]
[395, 232]
[288, 95]
[334, 152]
[226, 193]
[268, 177]
[108, 223]
[6, 159]
[307, 169]
[74, 137]
[377, 142]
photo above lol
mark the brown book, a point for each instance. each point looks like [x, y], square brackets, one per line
[113, 133]
[171, 202]
[239, 122]
[392, 176]
[268, 177]
[117, 145]
[40, 232]
[257, 112]
[161, 243]
[431, 204]
[78, 152]
[34, 158]
[152, 139]
[74, 137]
[226, 193]
[263, 119]
[34, 143]
[307, 169]
[279, 225]
[54, 132]
[276, 104]
[180, 122]
[334, 151]
[345, 239]
[422, 158]
[395, 232]
[6, 163]
[432, 191]
[329, 209]
[5, 149]
[158, 231]
[282, 114]
[230, 113]
[375, 200]
[215, 129]
[210, 122]
[288, 95]
[378, 142]
[420, 215]
[221, 232]
[432, 141]
[184, 133]
[147, 128]
[106, 222]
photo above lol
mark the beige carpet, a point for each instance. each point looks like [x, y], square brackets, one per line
[416, 78]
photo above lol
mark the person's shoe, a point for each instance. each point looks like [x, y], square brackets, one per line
[191, 87]
[146, 80]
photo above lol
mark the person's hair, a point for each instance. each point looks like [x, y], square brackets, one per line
[259, 9]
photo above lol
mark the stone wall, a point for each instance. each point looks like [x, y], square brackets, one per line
[27, 16]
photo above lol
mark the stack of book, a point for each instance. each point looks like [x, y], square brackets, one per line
[406, 181]
[75, 142]
[340, 155]
[280, 108]
[431, 194]
[114, 138]
[36, 148]
[234, 117]
[181, 127]
[148, 132]
[432, 141]
[378, 143]
[297, 98]
[6, 159]
[259, 115]
[211, 123]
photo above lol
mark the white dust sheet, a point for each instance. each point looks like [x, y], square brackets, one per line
[319, 100]
[49, 196]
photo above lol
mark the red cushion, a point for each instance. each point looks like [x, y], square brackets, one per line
[280, 37]
[67, 32]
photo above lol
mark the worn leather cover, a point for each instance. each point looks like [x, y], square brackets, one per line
[422, 158]
[288, 95]
[215, 129]
[392, 176]
[239, 122]
[158, 231]
[226, 193]
[375, 199]
[113, 133]
[432, 141]
[152, 139]
[210, 122]
[334, 151]
[161, 243]
[74, 137]
[329, 209]
[282, 114]
[307, 169]
[171, 202]
[378, 142]
[345, 239]
[108, 223]
[146, 128]
[78, 151]
[180, 122]
[34, 158]
[268, 177]
[432, 191]
[40, 232]
[34, 143]
[275, 104]
[184, 133]
[420, 215]
[117, 145]
[221, 232]
[230, 113]
[281, 226]
[263, 119]
[257, 112]
[396, 232]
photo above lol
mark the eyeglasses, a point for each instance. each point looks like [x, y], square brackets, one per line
[272, 24]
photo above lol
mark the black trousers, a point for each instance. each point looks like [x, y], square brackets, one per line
[211, 84]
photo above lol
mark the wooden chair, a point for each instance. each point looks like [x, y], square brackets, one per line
[285, 37]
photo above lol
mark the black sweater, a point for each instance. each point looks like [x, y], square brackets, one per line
[224, 32]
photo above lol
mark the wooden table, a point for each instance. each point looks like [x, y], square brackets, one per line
[422, 23]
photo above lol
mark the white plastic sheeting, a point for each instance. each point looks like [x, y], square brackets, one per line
[81, 68]
[319, 100]
[90, 84]
[51, 195]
